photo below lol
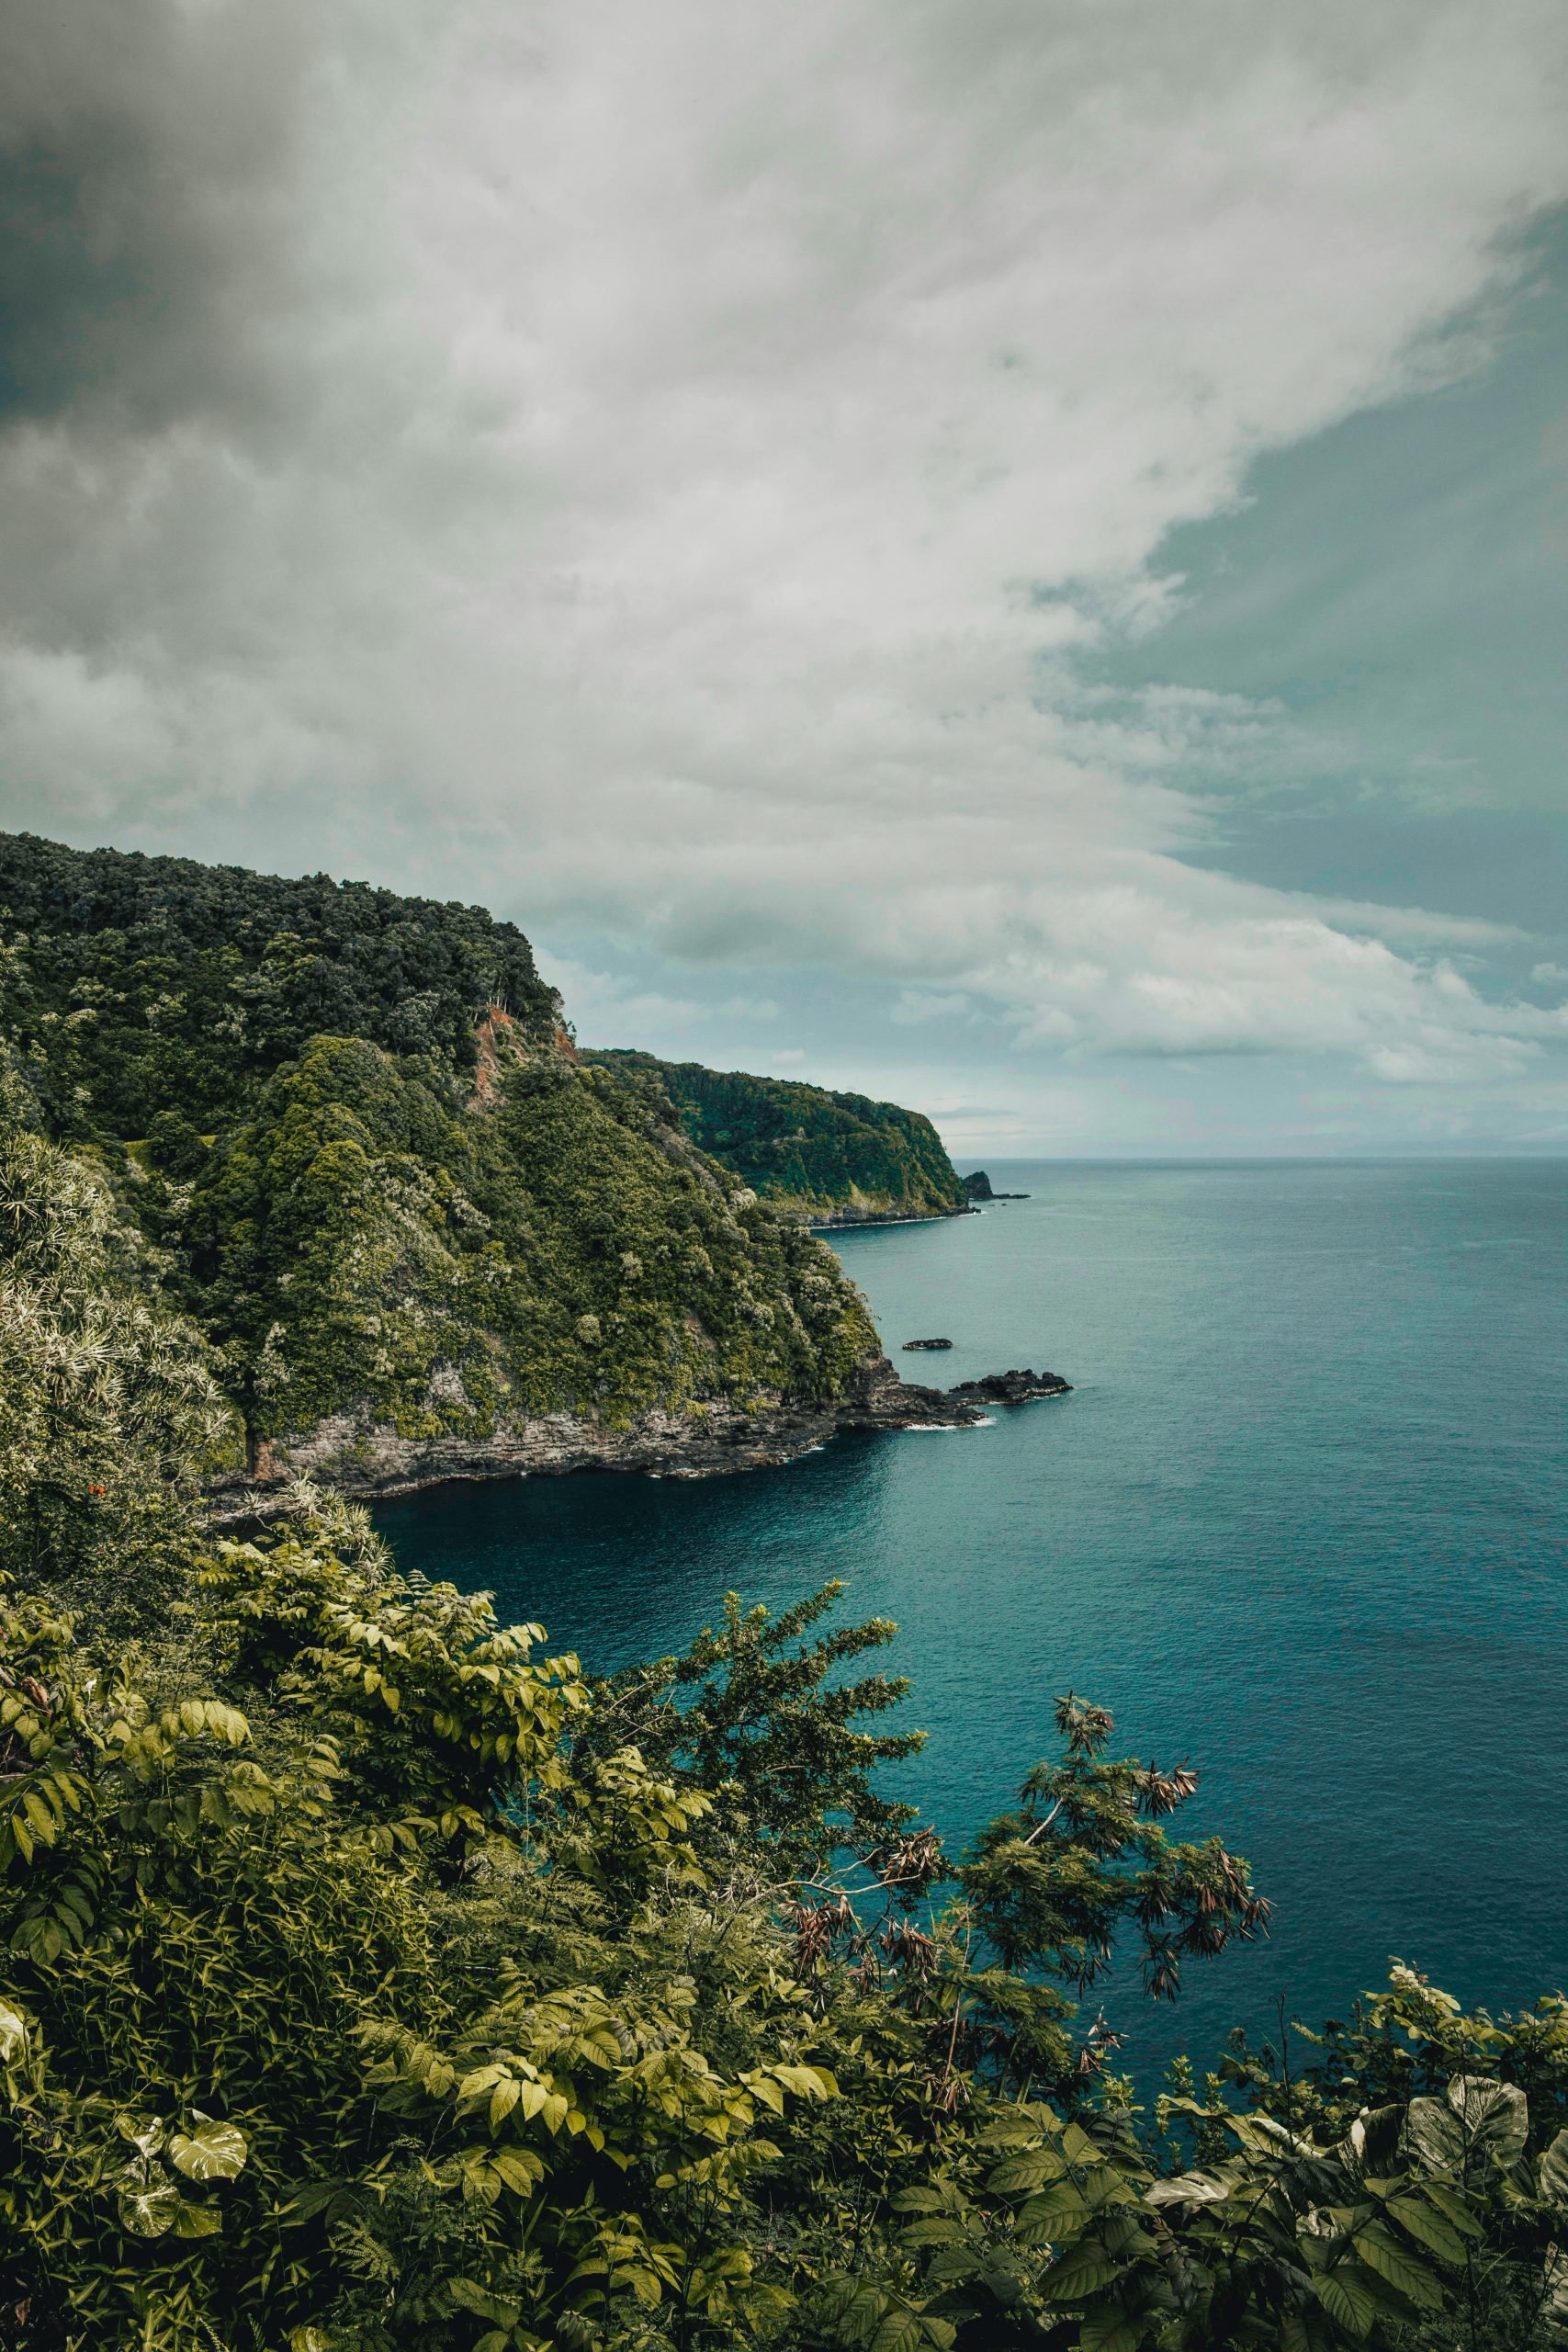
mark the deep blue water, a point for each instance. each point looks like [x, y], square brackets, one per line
[1302, 1520]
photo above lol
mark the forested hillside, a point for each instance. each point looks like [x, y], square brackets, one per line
[803, 1147]
[373, 1980]
[136, 987]
[360, 1153]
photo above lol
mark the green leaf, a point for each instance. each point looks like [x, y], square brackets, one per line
[1018, 2174]
[1060, 2212]
[13, 2035]
[1494, 2116]
[1079, 2274]
[1432, 2132]
[1402, 2269]
[1424, 2222]
[149, 2212]
[855, 2308]
[471, 2296]
[519, 2168]
[197, 2220]
[1447, 2201]
[1553, 2176]
[1193, 2189]
[901, 2331]
[1347, 2300]
[1115, 2333]
[937, 2231]
[213, 2151]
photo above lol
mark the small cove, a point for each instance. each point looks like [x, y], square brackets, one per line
[1302, 1520]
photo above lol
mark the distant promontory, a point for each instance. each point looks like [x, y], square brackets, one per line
[834, 1160]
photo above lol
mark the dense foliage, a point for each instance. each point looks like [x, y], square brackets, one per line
[363, 1157]
[804, 1146]
[363, 1237]
[371, 1982]
[89, 1368]
[138, 987]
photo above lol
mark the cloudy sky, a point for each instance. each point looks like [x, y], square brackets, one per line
[1008, 553]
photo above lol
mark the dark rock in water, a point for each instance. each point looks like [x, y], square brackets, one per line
[978, 1188]
[1010, 1388]
[926, 1343]
[878, 1399]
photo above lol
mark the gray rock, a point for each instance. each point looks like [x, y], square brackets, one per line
[366, 1458]
[1011, 1387]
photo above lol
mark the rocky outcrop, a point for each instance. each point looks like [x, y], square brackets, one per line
[911, 1345]
[880, 1400]
[978, 1187]
[366, 1458]
[1010, 1388]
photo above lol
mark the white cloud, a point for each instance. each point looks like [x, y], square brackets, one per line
[604, 1012]
[916, 1005]
[699, 441]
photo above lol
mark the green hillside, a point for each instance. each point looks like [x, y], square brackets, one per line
[373, 1980]
[361, 1153]
[804, 1148]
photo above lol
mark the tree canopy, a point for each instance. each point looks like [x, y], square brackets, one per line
[362, 1156]
[804, 1146]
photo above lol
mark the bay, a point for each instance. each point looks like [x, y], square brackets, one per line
[1302, 1521]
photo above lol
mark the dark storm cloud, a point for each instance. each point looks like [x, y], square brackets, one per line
[673, 470]
[145, 175]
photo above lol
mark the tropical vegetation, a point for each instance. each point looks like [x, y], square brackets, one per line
[373, 1979]
[803, 1147]
[349, 1138]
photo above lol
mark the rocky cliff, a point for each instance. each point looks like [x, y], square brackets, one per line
[366, 1457]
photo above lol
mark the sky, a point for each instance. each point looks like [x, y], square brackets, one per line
[1005, 554]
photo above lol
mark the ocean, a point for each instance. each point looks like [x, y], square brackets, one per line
[1301, 1523]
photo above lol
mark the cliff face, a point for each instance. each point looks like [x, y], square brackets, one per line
[366, 1457]
[433, 1239]
[833, 1159]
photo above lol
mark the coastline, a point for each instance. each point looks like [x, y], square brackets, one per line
[367, 1460]
[845, 1220]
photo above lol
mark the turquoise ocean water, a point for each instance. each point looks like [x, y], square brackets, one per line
[1302, 1521]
